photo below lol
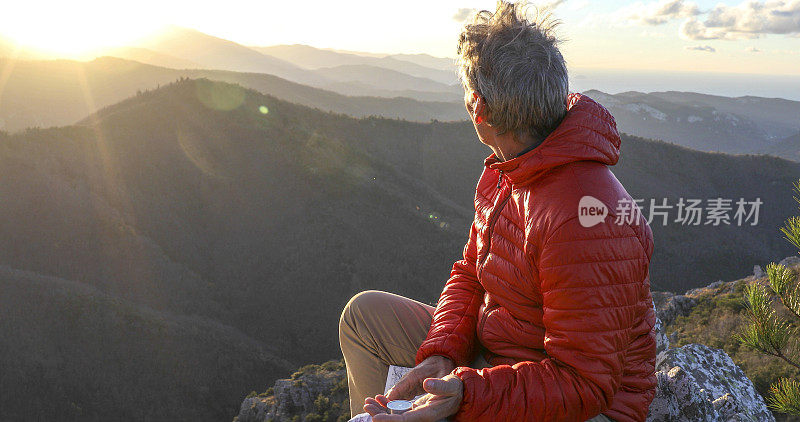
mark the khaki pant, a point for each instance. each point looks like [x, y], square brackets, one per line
[378, 329]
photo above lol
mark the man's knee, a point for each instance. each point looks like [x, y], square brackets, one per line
[361, 304]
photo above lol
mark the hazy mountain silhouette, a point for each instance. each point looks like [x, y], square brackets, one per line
[45, 93]
[442, 63]
[381, 78]
[705, 122]
[422, 59]
[788, 148]
[146, 56]
[316, 58]
[60, 92]
[214, 205]
[216, 53]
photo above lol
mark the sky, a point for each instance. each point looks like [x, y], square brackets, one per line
[732, 36]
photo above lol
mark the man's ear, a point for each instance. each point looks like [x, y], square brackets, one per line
[476, 99]
[479, 107]
[478, 104]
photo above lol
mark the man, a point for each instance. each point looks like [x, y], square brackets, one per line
[548, 316]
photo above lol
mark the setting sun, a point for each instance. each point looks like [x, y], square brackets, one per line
[72, 29]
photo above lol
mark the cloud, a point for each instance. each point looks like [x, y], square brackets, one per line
[706, 48]
[579, 5]
[752, 50]
[463, 13]
[550, 4]
[750, 19]
[653, 34]
[661, 12]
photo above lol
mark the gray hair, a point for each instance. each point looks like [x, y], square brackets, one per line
[515, 65]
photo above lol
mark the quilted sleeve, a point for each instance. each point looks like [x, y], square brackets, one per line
[452, 332]
[592, 282]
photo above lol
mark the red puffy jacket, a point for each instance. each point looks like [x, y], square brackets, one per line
[563, 312]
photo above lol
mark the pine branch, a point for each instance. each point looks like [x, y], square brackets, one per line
[769, 333]
[766, 331]
[791, 231]
[784, 282]
[785, 396]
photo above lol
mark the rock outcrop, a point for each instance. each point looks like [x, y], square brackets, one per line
[314, 393]
[697, 382]
[670, 306]
[791, 261]
[700, 383]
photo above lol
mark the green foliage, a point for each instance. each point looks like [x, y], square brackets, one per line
[766, 331]
[313, 417]
[769, 332]
[792, 231]
[781, 279]
[785, 396]
[333, 365]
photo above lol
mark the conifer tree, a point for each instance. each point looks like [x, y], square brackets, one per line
[771, 333]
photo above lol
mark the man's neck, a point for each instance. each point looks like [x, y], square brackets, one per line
[507, 148]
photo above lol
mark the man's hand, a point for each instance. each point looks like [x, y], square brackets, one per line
[411, 384]
[443, 400]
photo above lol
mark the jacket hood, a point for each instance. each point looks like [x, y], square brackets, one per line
[588, 132]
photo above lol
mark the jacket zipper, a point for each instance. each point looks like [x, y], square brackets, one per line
[492, 219]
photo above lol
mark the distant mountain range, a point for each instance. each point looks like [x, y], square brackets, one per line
[788, 148]
[348, 74]
[422, 66]
[744, 125]
[48, 93]
[60, 92]
[202, 214]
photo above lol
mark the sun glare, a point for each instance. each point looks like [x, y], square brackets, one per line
[67, 29]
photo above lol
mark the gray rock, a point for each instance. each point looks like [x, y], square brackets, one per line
[716, 284]
[679, 398]
[758, 272]
[790, 261]
[291, 397]
[662, 342]
[700, 383]
[674, 306]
